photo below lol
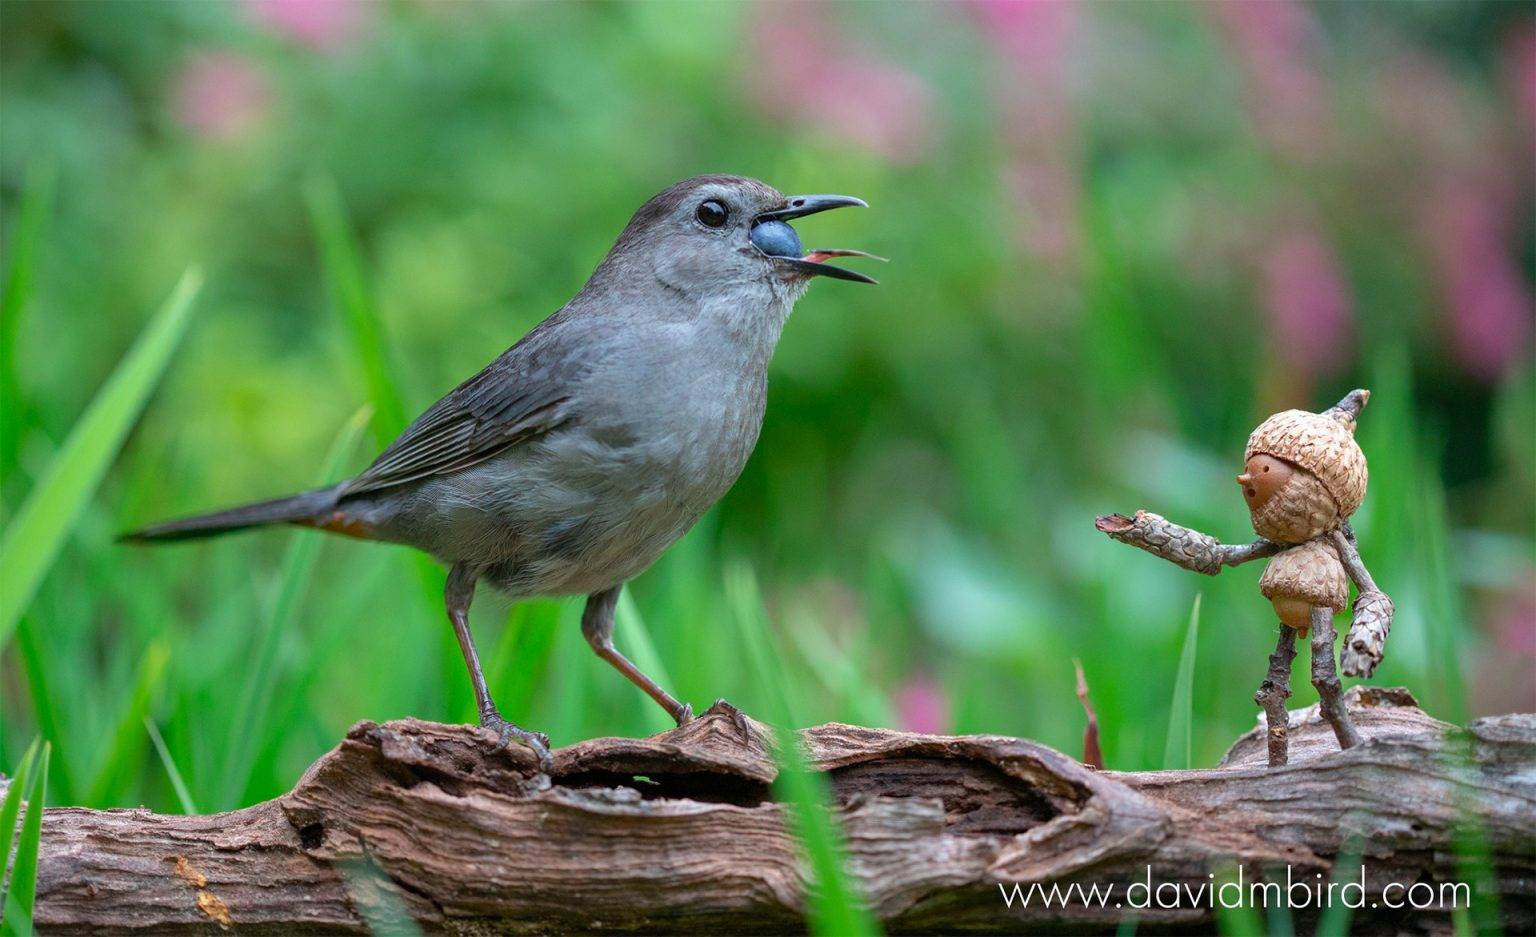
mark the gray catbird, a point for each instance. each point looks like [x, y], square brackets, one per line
[586, 449]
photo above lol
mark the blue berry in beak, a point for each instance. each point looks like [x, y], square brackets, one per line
[776, 239]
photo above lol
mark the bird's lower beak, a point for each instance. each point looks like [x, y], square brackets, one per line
[812, 264]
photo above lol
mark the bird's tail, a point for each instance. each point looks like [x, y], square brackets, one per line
[307, 506]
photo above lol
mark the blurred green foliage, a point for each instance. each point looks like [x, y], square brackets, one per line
[919, 507]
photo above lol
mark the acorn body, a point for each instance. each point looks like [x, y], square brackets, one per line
[1304, 475]
[1306, 576]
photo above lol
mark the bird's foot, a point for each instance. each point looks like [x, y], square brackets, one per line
[683, 714]
[506, 732]
[739, 719]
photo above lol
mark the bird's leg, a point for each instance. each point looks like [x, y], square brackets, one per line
[457, 595]
[1273, 693]
[597, 627]
[1325, 677]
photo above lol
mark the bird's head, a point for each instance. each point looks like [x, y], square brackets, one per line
[713, 233]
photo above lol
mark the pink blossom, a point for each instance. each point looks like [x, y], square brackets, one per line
[922, 706]
[322, 25]
[1467, 223]
[1307, 301]
[1039, 116]
[1514, 626]
[1036, 35]
[1510, 659]
[1275, 43]
[804, 71]
[221, 96]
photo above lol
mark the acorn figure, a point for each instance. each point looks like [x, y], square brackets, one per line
[1303, 476]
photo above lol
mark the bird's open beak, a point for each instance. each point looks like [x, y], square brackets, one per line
[798, 206]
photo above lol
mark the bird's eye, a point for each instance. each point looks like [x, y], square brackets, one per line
[711, 214]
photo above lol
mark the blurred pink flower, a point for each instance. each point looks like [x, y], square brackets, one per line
[921, 706]
[803, 70]
[1275, 43]
[221, 95]
[1307, 301]
[1468, 225]
[1035, 34]
[1514, 624]
[1509, 661]
[1466, 204]
[323, 25]
[1039, 114]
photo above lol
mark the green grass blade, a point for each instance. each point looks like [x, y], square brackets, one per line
[837, 670]
[834, 904]
[183, 795]
[127, 738]
[1177, 753]
[631, 633]
[1334, 921]
[35, 664]
[34, 537]
[31, 222]
[1240, 920]
[1278, 918]
[340, 258]
[342, 263]
[19, 896]
[522, 656]
[10, 809]
[1444, 618]
[293, 581]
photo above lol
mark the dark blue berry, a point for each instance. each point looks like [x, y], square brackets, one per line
[776, 239]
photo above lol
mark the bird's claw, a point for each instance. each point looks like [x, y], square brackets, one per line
[684, 715]
[506, 732]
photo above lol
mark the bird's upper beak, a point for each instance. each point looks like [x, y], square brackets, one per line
[798, 206]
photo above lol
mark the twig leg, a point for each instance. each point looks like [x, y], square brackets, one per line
[457, 594]
[1325, 676]
[1273, 693]
[597, 626]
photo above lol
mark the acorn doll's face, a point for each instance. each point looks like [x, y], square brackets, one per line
[1263, 477]
[1286, 503]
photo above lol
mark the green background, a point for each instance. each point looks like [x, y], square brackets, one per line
[1120, 236]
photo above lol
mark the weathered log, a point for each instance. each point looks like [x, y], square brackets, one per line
[680, 832]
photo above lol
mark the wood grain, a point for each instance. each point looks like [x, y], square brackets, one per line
[680, 832]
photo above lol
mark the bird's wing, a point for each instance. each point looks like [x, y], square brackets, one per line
[524, 393]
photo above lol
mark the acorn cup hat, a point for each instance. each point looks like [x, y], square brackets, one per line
[1320, 443]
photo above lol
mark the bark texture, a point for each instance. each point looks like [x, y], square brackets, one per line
[1180, 545]
[680, 833]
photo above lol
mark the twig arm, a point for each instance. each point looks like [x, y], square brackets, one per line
[1372, 619]
[1181, 546]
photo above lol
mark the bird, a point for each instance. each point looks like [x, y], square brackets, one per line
[573, 460]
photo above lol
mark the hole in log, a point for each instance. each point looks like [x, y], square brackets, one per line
[978, 798]
[312, 835]
[706, 787]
